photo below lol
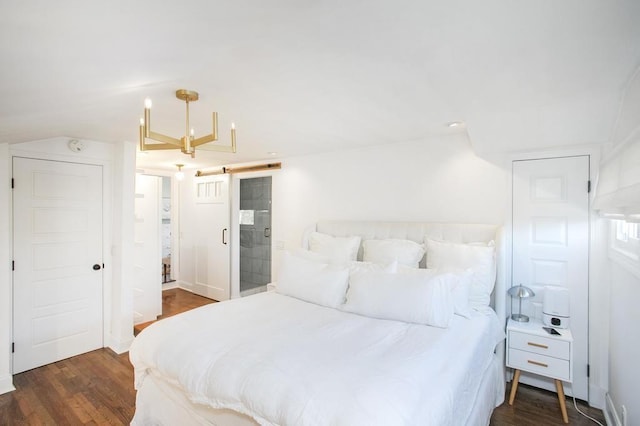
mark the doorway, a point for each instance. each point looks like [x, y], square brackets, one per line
[255, 234]
[167, 235]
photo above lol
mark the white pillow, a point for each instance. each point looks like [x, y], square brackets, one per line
[356, 267]
[480, 260]
[312, 281]
[459, 281]
[338, 249]
[405, 252]
[409, 298]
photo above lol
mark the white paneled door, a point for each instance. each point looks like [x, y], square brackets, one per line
[147, 255]
[57, 246]
[551, 244]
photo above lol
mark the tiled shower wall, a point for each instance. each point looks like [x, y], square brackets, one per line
[255, 239]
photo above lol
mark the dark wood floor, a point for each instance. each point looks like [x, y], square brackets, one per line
[537, 407]
[175, 301]
[97, 388]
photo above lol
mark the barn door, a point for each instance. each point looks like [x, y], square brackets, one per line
[57, 246]
[212, 245]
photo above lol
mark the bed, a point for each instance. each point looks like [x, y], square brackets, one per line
[297, 355]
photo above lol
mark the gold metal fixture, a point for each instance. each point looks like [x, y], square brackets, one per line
[242, 169]
[188, 142]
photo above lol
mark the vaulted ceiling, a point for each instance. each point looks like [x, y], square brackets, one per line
[300, 77]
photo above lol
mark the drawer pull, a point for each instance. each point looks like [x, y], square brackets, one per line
[538, 345]
[537, 363]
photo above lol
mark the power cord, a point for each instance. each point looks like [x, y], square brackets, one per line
[584, 414]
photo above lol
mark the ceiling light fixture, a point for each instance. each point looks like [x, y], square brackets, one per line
[454, 124]
[179, 173]
[188, 143]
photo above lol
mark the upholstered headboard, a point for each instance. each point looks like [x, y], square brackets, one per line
[419, 232]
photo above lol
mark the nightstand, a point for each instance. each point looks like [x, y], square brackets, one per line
[531, 349]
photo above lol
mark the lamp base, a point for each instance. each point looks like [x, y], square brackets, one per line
[520, 317]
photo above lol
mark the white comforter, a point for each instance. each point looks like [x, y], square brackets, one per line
[288, 362]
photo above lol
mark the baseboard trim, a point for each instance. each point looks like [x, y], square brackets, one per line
[6, 384]
[610, 412]
[120, 347]
[170, 285]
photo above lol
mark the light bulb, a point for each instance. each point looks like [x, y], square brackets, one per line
[141, 121]
[147, 103]
[233, 126]
[193, 132]
[179, 173]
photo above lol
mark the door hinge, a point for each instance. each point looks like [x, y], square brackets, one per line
[588, 370]
[13, 347]
[13, 265]
[12, 183]
[589, 186]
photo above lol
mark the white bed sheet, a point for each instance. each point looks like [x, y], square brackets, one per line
[283, 361]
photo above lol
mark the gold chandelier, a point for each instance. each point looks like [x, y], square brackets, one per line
[188, 142]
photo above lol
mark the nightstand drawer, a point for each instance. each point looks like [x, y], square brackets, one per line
[540, 364]
[539, 345]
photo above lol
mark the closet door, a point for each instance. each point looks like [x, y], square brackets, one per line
[57, 280]
[551, 246]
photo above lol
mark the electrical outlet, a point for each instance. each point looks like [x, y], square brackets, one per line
[624, 415]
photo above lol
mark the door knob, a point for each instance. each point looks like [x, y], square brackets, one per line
[96, 267]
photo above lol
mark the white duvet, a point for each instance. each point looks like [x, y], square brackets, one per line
[283, 361]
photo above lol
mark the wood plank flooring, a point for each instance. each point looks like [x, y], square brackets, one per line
[175, 301]
[96, 388]
[538, 407]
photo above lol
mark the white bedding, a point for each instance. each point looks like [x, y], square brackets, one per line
[284, 361]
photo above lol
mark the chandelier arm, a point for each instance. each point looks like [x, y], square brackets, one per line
[220, 148]
[166, 139]
[157, 146]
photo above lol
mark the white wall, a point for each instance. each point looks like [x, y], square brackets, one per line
[624, 319]
[438, 180]
[118, 162]
[624, 346]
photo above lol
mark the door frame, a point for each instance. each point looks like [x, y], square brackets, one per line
[234, 190]
[598, 312]
[107, 220]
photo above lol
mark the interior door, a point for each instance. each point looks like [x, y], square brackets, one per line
[212, 244]
[57, 246]
[551, 245]
[147, 257]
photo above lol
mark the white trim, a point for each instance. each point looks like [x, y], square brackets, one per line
[120, 347]
[6, 384]
[610, 413]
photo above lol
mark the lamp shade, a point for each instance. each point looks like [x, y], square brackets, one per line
[521, 292]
